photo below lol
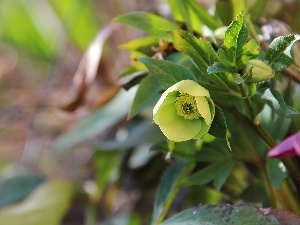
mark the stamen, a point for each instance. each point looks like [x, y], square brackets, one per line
[186, 107]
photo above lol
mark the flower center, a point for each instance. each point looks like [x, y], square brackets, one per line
[186, 107]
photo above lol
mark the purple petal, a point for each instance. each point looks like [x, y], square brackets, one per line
[289, 147]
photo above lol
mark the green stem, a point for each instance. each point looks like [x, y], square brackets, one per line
[265, 177]
[252, 28]
[247, 102]
[90, 215]
[269, 187]
[293, 171]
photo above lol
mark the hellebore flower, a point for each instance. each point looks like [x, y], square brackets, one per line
[260, 71]
[289, 147]
[185, 111]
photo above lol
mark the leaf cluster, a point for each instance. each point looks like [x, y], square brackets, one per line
[185, 53]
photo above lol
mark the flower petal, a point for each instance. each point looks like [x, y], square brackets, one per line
[204, 109]
[174, 127]
[203, 131]
[289, 147]
[190, 87]
[211, 107]
[168, 98]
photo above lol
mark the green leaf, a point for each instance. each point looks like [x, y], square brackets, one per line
[47, 205]
[249, 51]
[106, 164]
[248, 75]
[139, 133]
[210, 151]
[275, 100]
[226, 58]
[185, 12]
[148, 94]
[152, 24]
[129, 70]
[204, 16]
[220, 94]
[232, 33]
[256, 193]
[176, 14]
[80, 20]
[218, 67]
[18, 187]
[97, 122]
[251, 87]
[258, 104]
[220, 179]
[223, 215]
[279, 54]
[168, 73]
[209, 173]
[215, 152]
[218, 127]
[258, 9]
[276, 171]
[168, 189]
[238, 7]
[224, 9]
[32, 36]
[183, 60]
[235, 38]
[137, 64]
[275, 125]
[143, 44]
[201, 52]
[227, 10]
[237, 78]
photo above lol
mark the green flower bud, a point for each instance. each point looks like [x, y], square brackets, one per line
[260, 71]
[185, 111]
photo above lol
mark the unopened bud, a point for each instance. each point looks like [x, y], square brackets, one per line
[260, 71]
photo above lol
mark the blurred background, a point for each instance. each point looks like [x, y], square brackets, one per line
[41, 46]
[61, 108]
[59, 63]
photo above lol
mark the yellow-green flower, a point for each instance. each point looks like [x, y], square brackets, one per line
[185, 111]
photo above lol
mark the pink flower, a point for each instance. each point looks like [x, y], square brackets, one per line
[289, 147]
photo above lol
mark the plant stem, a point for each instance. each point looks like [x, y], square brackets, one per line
[247, 101]
[252, 28]
[269, 187]
[90, 215]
